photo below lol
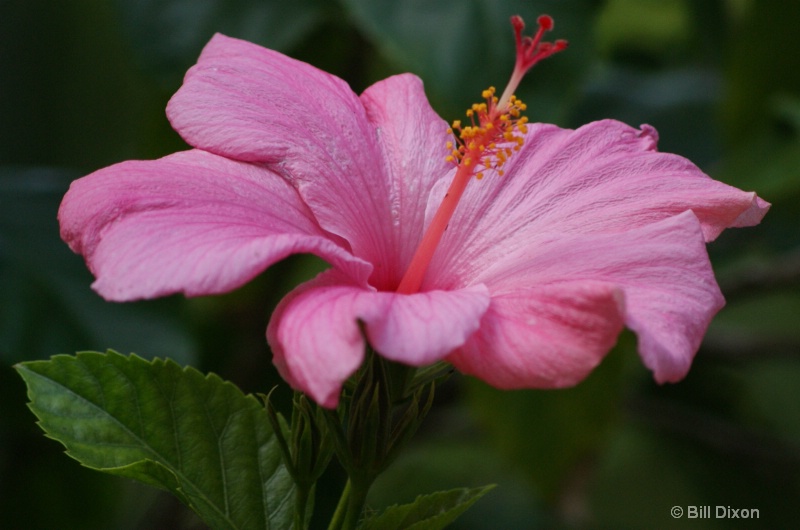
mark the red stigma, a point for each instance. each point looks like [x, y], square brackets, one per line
[545, 22]
[531, 50]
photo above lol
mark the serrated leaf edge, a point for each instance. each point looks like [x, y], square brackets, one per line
[24, 368]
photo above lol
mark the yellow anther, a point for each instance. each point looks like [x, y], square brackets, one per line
[476, 145]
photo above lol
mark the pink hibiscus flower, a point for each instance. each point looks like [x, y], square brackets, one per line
[585, 232]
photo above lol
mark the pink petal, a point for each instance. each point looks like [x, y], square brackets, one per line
[666, 281]
[191, 222]
[248, 103]
[605, 177]
[316, 331]
[413, 145]
[547, 336]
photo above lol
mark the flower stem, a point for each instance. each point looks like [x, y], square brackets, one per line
[301, 502]
[351, 504]
[344, 501]
[355, 504]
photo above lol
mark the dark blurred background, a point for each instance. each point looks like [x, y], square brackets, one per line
[84, 83]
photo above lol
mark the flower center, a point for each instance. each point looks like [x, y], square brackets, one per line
[496, 130]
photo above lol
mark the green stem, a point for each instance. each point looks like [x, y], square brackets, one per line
[338, 516]
[355, 505]
[300, 508]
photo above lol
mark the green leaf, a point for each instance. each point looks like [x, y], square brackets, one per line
[427, 512]
[169, 34]
[196, 436]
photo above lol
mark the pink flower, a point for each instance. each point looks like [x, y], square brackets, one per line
[587, 231]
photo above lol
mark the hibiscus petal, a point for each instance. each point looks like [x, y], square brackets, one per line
[662, 270]
[605, 177]
[316, 331]
[413, 144]
[191, 222]
[544, 337]
[248, 103]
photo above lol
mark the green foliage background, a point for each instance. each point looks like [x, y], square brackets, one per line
[84, 83]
